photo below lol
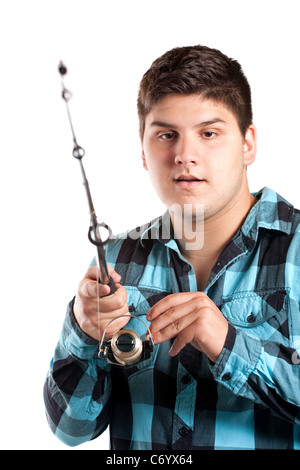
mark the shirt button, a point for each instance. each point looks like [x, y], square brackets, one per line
[183, 431]
[251, 318]
[226, 376]
[186, 268]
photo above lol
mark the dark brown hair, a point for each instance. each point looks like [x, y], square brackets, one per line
[197, 70]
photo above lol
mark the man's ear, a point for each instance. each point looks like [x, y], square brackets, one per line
[250, 145]
[144, 160]
[143, 153]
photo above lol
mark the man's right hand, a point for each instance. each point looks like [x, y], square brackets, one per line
[94, 309]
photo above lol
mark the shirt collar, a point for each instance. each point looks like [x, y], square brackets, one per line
[159, 229]
[271, 212]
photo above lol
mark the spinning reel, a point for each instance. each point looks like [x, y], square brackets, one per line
[126, 347]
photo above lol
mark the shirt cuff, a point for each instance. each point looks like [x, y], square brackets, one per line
[237, 360]
[76, 342]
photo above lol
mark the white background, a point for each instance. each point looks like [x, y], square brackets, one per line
[107, 46]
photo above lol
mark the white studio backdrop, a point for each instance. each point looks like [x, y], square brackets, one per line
[107, 46]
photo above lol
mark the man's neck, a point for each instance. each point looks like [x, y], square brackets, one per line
[217, 232]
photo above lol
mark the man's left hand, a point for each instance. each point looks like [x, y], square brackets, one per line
[190, 317]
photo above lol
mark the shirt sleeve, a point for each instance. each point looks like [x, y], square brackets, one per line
[77, 387]
[263, 371]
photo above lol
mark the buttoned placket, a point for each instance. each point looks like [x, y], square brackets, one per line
[183, 422]
[184, 412]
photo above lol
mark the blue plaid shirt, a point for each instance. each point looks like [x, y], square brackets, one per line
[248, 399]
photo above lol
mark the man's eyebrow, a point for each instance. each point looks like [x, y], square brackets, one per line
[210, 122]
[161, 124]
[200, 124]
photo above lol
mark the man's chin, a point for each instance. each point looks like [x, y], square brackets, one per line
[187, 210]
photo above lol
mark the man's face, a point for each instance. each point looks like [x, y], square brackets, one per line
[195, 153]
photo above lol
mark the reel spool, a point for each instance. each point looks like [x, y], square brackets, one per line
[126, 348]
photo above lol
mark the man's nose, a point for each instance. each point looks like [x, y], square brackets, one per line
[187, 152]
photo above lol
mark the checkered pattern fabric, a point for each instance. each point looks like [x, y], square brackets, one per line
[248, 399]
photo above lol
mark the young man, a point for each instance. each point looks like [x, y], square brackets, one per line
[223, 308]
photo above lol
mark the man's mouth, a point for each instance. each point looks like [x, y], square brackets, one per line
[188, 182]
[187, 179]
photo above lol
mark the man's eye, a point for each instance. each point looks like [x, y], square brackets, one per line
[167, 136]
[208, 134]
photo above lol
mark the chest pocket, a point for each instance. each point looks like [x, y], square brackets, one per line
[264, 312]
[141, 299]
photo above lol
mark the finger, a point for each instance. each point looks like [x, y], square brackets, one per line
[161, 334]
[186, 336]
[108, 306]
[93, 273]
[174, 313]
[92, 288]
[173, 300]
[116, 276]
[102, 290]
[162, 306]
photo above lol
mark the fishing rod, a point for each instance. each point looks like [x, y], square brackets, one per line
[94, 232]
[126, 348]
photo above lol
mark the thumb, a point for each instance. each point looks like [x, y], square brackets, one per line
[116, 276]
[94, 274]
[106, 289]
